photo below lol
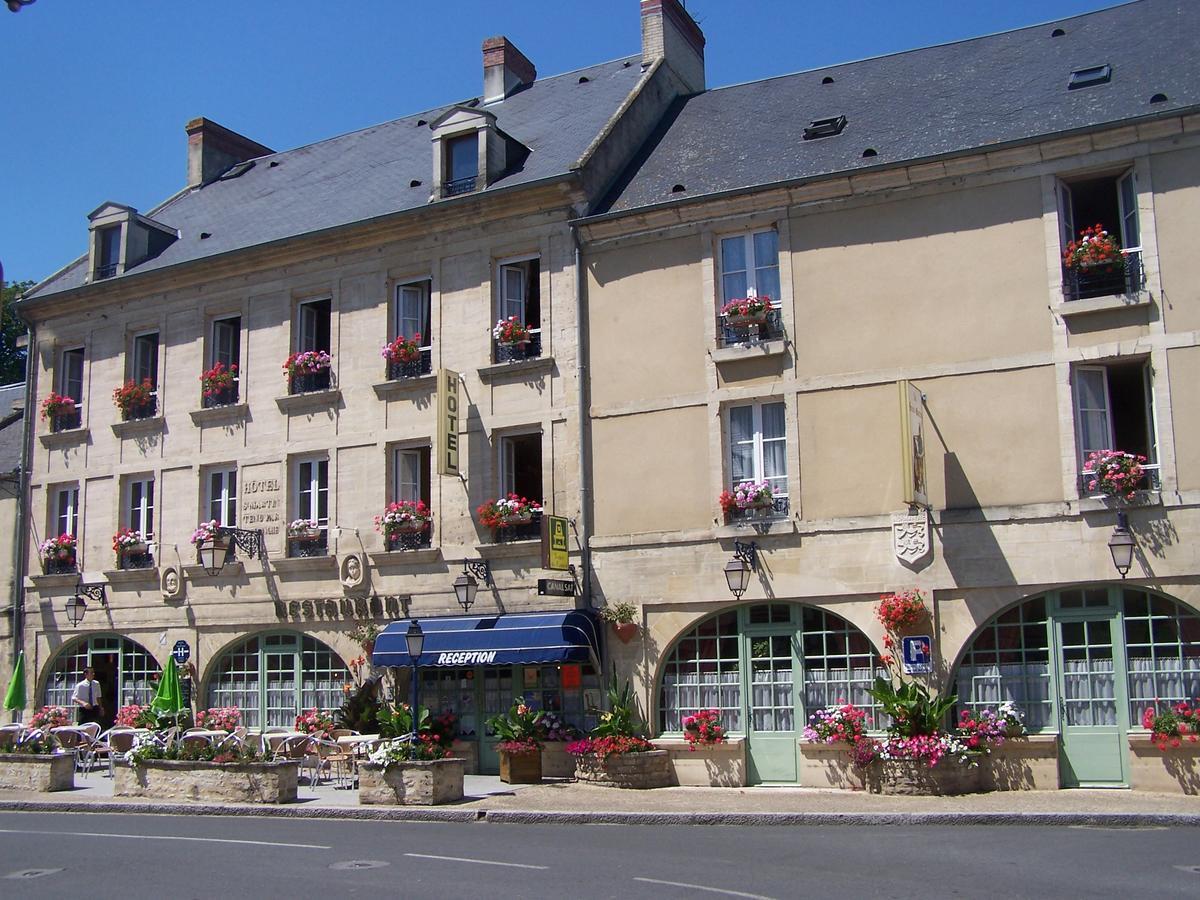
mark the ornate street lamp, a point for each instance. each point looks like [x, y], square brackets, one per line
[415, 639]
[465, 585]
[738, 569]
[77, 605]
[216, 551]
[213, 553]
[1121, 544]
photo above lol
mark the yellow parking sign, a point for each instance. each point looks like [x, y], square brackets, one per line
[556, 553]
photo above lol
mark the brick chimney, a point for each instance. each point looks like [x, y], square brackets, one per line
[213, 148]
[505, 68]
[671, 34]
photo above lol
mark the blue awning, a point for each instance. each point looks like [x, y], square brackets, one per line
[505, 640]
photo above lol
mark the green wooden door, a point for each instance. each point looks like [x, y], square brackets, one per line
[1092, 700]
[771, 726]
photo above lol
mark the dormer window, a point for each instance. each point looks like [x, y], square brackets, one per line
[462, 165]
[108, 251]
[122, 239]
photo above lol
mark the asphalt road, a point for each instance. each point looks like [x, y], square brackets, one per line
[100, 855]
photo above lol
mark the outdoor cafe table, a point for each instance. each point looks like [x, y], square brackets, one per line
[356, 742]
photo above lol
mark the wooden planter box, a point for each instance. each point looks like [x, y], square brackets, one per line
[715, 765]
[248, 782]
[521, 768]
[626, 770]
[37, 772]
[414, 783]
[1175, 770]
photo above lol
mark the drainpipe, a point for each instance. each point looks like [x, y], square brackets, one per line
[585, 482]
[21, 544]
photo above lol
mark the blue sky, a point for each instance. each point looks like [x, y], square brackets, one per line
[96, 93]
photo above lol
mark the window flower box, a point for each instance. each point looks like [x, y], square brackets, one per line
[132, 549]
[404, 358]
[405, 525]
[1115, 473]
[306, 538]
[135, 400]
[744, 312]
[509, 515]
[219, 386]
[308, 371]
[60, 411]
[58, 555]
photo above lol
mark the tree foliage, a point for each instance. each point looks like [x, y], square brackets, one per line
[12, 360]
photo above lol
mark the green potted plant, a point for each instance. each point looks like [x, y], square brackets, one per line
[615, 753]
[621, 616]
[520, 746]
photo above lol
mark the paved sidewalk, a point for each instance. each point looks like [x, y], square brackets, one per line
[488, 799]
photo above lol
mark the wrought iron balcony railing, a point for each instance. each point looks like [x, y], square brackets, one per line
[741, 335]
[412, 369]
[524, 531]
[225, 397]
[459, 186]
[144, 411]
[309, 382]
[530, 349]
[106, 271]
[779, 509]
[303, 547]
[412, 540]
[1106, 281]
[67, 421]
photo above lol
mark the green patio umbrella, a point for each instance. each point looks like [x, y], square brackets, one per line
[168, 699]
[14, 697]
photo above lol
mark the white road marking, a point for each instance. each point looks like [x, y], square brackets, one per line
[703, 887]
[163, 837]
[482, 862]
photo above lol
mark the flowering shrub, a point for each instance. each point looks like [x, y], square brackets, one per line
[132, 396]
[307, 362]
[134, 716]
[931, 748]
[314, 721]
[58, 549]
[207, 531]
[217, 380]
[506, 510]
[553, 728]
[603, 747]
[510, 331]
[986, 729]
[900, 610]
[834, 724]
[219, 718]
[1115, 473]
[1171, 726]
[147, 746]
[753, 495]
[703, 729]
[728, 504]
[302, 527]
[620, 612]
[519, 729]
[443, 728]
[750, 306]
[56, 405]
[1093, 247]
[400, 750]
[401, 516]
[126, 539]
[402, 349]
[50, 717]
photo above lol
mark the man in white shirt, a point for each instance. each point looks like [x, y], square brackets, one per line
[86, 697]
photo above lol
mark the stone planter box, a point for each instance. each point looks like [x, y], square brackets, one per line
[1022, 764]
[1175, 770]
[829, 766]
[913, 777]
[468, 752]
[556, 761]
[717, 765]
[415, 783]
[521, 768]
[626, 770]
[167, 779]
[37, 772]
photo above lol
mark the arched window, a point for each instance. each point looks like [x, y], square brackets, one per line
[767, 667]
[123, 667]
[1162, 644]
[271, 678]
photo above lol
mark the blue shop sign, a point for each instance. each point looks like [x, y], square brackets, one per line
[918, 654]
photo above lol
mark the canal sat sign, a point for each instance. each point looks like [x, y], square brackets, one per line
[556, 553]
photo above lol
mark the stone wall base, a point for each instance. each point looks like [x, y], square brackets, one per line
[626, 770]
[1175, 770]
[166, 779]
[715, 765]
[468, 752]
[37, 772]
[415, 783]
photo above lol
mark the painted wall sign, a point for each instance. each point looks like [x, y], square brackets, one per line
[448, 399]
[917, 654]
[261, 504]
[556, 587]
[912, 445]
[182, 652]
[556, 554]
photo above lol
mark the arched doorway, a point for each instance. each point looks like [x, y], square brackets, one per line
[766, 668]
[1085, 663]
[272, 677]
[127, 673]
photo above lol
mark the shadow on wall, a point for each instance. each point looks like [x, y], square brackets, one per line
[969, 548]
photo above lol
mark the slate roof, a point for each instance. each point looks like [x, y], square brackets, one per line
[367, 174]
[954, 98]
[12, 398]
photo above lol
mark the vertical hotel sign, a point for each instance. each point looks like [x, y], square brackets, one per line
[912, 445]
[448, 403]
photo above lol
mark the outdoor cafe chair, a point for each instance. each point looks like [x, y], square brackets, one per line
[9, 734]
[300, 747]
[196, 740]
[115, 744]
[333, 758]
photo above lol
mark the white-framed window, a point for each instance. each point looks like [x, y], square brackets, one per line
[462, 164]
[521, 465]
[70, 374]
[1114, 410]
[221, 496]
[1111, 202]
[66, 510]
[748, 262]
[108, 251]
[139, 504]
[758, 445]
[143, 364]
[410, 315]
[520, 291]
[312, 325]
[410, 474]
[312, 490]
[226, 347]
